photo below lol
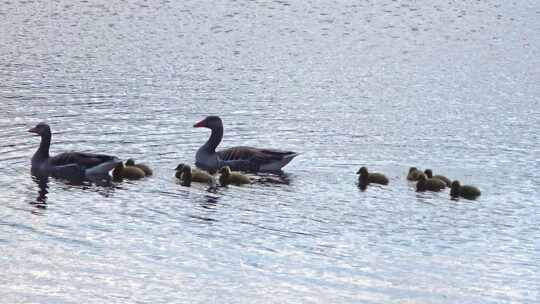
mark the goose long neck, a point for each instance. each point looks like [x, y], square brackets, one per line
[43, 150]
[214, 140]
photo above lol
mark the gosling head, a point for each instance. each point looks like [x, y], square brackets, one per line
[362, 171]
[186, 175]
[412, 169]
[363, 178]
[186, 168]
[130, 162]
[454, 188]
[225, 170]
[117, 171]
[180, 167]
[421, 184]
[428, 173]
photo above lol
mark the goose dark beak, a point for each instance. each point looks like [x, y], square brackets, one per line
[200, 124]
[33, 130]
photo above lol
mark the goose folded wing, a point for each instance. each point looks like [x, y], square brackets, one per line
[250, 159]
[85, 160]
[69, 171]
[246, 153]
[240, 165]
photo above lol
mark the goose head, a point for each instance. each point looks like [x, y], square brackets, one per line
[41, 129]
[210, 122]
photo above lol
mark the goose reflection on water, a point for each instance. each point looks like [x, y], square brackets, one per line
[43, 186]
[104, 188]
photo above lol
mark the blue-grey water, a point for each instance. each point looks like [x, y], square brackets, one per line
[448, 85]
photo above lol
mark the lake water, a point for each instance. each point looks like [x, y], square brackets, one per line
[448, 85]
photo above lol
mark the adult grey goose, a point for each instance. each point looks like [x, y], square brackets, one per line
[239, 158]
[69, 165]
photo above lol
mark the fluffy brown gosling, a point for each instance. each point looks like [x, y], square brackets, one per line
[366, 178]
[465, 191]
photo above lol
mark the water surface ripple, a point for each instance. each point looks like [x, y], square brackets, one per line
[452, 86]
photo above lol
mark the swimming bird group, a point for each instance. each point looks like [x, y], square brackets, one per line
[228, 163]
[425, 181]
[96, 167]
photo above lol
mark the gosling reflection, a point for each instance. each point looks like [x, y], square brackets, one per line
[278, 178]
[209, 202]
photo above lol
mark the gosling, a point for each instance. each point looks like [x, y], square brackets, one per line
[228, 177]
[185, 176]
[465, 191]
[414, 174]
[147, 171]
[444, 179]
[366, 178]
[429, 184]
[121, 172]
[197, 175]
